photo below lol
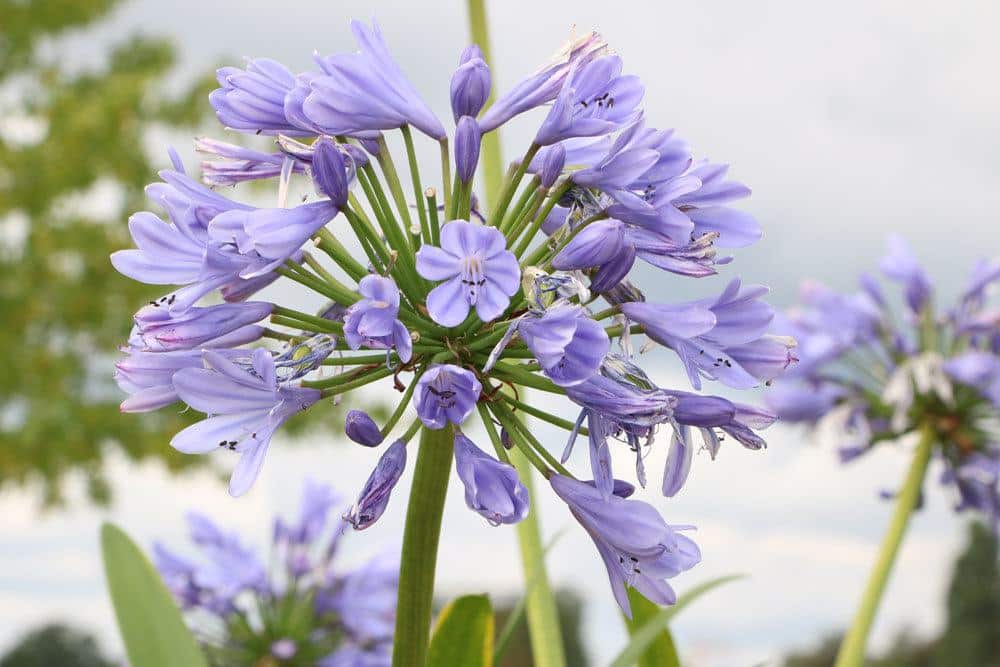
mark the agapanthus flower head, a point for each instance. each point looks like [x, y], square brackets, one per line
[871, 376]
[456, 306]
[305, 606]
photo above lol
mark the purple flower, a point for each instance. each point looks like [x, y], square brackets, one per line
[467, 138]
[373, 322]
[594, 100]
[543, 86]
[365, 91]
[245, 408]
[797, 401]
[567, 343]
[180, 253]
[901, 264]
[977, 369]
[446, 393]
[638, 548]
[374, 496]
[330, 172]
[624, 403]
[491, 488]
[284, 649]
[161, 331]
[230, 567]
[148, 376]
[365, 601]
[314, 510]
[253, 100]
[478, 269]
[705, 333]
[239, 164]
[362, 429]
[270, 236]
[470, 84]
[552, 166]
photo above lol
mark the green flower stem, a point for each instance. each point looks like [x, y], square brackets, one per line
[280, 335]
[524, 220]
[514, 215]
[516, 426]
[519, 376]
[618, 329]
[420, 546]
[411, 155]
[385, 161]
[311, 322]
[491, 431]
[360, 360]
[403, 403]
[372, 376]
[336, 251]
[541, 611]
[390, 228]
[507, 194]
[852, 650]
[342, 296]
[432, 215]
[607, 312]
[520, 443]
[541, 414]
[540, 218]
[445, 172]
[376, 251]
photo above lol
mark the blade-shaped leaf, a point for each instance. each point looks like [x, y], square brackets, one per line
[463, 634]
[151, 626]
[646, 635]
[661, 652]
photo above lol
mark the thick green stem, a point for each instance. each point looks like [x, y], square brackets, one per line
[852, 651]
[420, 545]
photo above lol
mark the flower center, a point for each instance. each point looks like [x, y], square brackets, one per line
[473, 277]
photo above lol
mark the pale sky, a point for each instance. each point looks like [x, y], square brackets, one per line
[849, 120]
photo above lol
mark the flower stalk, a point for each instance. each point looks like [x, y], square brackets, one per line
[420, 546]
[852, 650]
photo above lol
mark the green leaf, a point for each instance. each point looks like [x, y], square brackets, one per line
[651, 632]
[463, 634]
[661, 652]
[150, 623]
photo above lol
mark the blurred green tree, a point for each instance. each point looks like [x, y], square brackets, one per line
[68, 139]
[55, 645]
[972, 634]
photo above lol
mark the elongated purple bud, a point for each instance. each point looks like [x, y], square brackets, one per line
[467, 138]
[360, 428]
[598, 243]
[374, 497]
[555, 160]
[491, 488]
[329, 172]
[470, 84]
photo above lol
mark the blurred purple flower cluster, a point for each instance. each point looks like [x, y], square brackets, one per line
[871, 371]
[300, 607]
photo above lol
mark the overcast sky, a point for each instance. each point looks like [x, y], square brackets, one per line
[849, 120]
